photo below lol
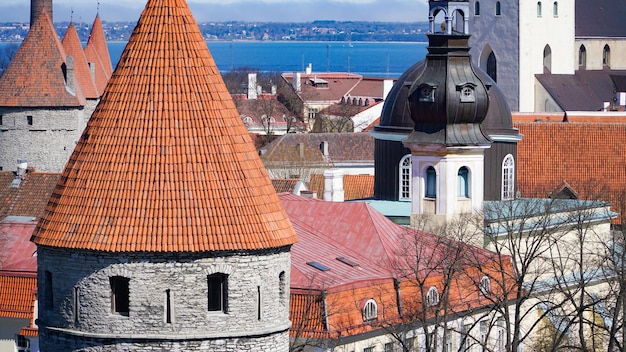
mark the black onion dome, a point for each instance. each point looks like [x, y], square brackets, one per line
[396, 113]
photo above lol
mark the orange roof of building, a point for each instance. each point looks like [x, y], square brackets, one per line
[82, 73]
[17, 295]
[589, 157]
[97, 52]
[354, 186]
[30, 197]
[35, 77]
[165, 163]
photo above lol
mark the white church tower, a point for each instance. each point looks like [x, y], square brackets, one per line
[448, 102]
[515, 40]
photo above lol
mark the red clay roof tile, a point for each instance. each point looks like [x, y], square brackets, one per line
[35, 77]
[17, 294]
[165, 162]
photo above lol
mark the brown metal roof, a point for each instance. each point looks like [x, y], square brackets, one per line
[165, 162]
[35, 77]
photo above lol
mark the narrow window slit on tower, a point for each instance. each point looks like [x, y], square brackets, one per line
[168, 307]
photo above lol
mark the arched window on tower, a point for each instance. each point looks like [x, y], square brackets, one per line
[498, 8]
[477, 8]
[431, 182]
[555, 9]
[606, 56]
[508, 177]
[405, 178]
[538, 8]
[463, 183]
[582, 57]
[492, 66]
[547, 59]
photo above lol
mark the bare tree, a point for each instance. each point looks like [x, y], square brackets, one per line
[336, 118]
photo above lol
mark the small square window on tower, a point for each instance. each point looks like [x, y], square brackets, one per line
[29, 120]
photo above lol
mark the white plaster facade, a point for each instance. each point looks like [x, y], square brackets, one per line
[594, 50]
[518, 37]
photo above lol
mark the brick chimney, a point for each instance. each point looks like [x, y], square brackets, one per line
[37, 6]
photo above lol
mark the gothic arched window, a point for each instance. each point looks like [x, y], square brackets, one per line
[508, 177]
[492, 66]
[405, 178]
[463, 183]
[431, 182]
[606, 56]
[498, 8]
[432, 297]
[539, 9]
[547, 58]
[477, 8]
[555, 9]
[582, 57]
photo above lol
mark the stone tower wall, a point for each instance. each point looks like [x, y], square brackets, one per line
[81, 315]
[48, 142]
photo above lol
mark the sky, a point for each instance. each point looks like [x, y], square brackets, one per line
[233, 10]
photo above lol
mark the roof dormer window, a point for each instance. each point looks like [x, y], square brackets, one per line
[427, 93]
[467, 91]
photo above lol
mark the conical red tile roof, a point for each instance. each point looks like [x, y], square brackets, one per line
[35, 77]
[97, 52]
[165, 163]
[73, 47]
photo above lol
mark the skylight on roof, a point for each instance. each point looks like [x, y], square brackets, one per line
[318, 266]
[348, 261]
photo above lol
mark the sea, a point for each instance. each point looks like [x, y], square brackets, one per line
[373, 59]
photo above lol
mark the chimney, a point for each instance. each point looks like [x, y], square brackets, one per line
[274, 89]
[38, 6]
[387, 85]
[333, 185]
[308, 194]
[22, 166]
[309, 69]
[296, 83]
[69, 74]
[301, 150]
[252, 89]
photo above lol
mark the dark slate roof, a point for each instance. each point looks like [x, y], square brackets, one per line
[582, 91]
[600, 18]
[342, 147]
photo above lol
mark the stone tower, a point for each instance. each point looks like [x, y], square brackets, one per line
[47, 94]
[164, 232]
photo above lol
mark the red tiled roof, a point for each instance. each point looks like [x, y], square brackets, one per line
[339, 84]
[590, 157]
[97, 52]
[285, 184]
[354, 186]
[18, 253]
[82, 74]
[165, 162]
[30, 197]
[35, 76]
[17, 294]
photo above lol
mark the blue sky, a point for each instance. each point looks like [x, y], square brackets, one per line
[234, 10]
